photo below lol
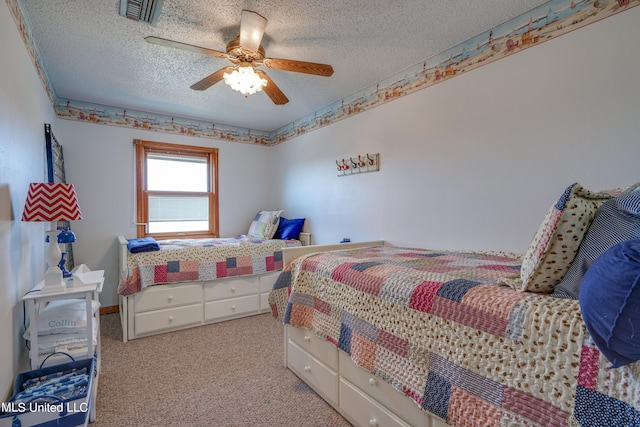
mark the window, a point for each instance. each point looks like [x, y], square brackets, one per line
[177, 190]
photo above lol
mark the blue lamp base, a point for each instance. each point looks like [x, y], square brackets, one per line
[65, 236]
[65, 273]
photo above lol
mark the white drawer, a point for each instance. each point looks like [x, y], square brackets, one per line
[172, 318]
[316, 346]
[167, 296]
[381, 391]
[322, 379]
[363, 411]
[267, 281]
[264, 302]
[230, 288]
[229, 308]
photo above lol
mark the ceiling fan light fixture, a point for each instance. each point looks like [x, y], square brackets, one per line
[245, 80]
[246, 53]
[251, 30]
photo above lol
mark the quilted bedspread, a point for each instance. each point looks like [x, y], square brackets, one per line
[440, 328]
[181, 260]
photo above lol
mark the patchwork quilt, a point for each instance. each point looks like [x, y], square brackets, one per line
[439, 327]
[181, 260]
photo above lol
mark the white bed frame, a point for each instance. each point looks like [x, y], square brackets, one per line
[170, 307]
[361, 397]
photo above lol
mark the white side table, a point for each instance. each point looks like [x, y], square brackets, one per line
[89, 289]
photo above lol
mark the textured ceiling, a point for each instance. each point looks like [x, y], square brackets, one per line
[92, 54]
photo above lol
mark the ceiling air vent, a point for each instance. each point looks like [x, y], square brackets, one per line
[141, 10]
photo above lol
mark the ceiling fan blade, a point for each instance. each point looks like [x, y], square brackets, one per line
[185, 46]
[272, 90]
[211, 79]
[252, 27]
[299, 66]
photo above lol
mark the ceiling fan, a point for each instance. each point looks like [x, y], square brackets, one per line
[246, 53]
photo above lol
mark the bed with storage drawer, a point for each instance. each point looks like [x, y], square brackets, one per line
[403, 336]
[190, 282]
[173, 284]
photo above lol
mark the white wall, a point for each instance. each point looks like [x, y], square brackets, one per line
[99, 161]
[476, 161]
[24, 108]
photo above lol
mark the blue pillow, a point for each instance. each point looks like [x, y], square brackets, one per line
[289, 228]
[615, 221]
[610, 302]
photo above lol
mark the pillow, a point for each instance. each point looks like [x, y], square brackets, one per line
[265, 224]
[63, 342]
[615, 221]
[609, 300]
[64, 316]
[557, 240]
[289, 228]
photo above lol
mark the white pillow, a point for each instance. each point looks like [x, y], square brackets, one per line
[64, 316]
[63, 342]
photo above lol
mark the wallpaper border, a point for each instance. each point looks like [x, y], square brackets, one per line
[545, 22]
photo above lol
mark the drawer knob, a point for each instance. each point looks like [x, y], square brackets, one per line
[373, 422]
[170, 298]
[170, 318]
[233, 289]
[307, 368]
[372, 381]
[307, 338]
[233, 307]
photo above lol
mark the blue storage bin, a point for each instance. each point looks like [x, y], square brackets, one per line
[27, 409]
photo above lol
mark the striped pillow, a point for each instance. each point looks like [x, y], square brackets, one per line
[616, 221]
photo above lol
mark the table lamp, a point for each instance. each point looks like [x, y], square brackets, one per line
[65, 236]
[52, 202]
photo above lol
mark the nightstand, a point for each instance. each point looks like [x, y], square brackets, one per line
[89, 291]
[87, 286]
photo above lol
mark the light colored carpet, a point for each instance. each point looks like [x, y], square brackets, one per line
[224, 374]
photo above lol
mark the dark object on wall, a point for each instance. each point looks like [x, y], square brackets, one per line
[55, 173]
[55, 160]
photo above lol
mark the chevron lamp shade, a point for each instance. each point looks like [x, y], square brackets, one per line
[50, 202]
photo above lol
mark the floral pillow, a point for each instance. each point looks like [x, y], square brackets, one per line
[265, 224]
[556, 242]
[617, 220]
